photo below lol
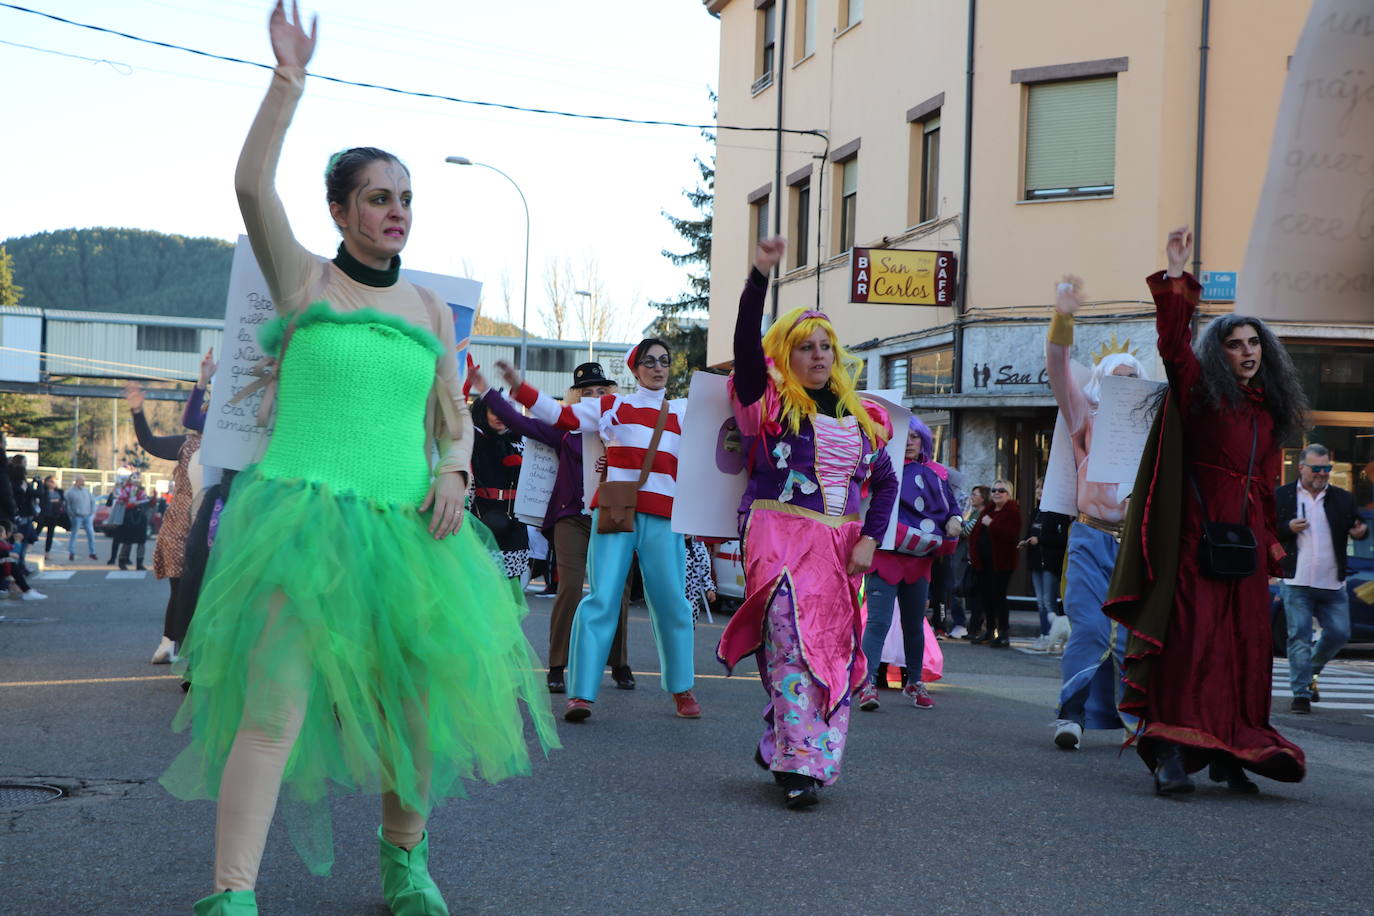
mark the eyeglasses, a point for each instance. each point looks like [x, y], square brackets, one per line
[648, 362]
[999, 490]
[1319, 468]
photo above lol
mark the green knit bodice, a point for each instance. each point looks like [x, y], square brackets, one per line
[351, 404]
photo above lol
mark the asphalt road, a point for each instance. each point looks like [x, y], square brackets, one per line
[967, 808]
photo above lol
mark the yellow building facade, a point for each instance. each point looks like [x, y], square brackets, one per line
[1083, 150]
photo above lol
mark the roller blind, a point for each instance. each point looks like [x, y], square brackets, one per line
[1071, 137]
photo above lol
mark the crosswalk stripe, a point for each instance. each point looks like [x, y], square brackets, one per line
[126, 574]
[56, 576]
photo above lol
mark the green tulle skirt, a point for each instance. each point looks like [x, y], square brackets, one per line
[399, 648]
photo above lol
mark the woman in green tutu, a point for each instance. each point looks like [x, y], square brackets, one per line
[405, 682]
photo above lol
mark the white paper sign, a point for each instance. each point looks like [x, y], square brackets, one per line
[1121, 429]
[1311, 251]
[232, 437]
[538, 470]
[710, 467]
[1060, 493]
[896, 453]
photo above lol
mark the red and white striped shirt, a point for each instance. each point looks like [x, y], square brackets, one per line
[628, 422]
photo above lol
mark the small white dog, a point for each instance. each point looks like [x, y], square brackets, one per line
[1058, 636]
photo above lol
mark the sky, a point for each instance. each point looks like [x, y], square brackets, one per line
[148, 139]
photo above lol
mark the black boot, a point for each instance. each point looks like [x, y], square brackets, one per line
[1228, 770]
[801, 790]
[1170, 776]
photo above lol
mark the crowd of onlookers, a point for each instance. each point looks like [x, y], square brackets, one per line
[34, 510]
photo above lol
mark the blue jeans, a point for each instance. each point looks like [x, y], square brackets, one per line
[881, 597]
[82, 523]
[1046, 585]
[1331, 606]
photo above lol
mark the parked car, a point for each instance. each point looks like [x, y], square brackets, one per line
[102, 517]
[727, 565]
[1359, 571]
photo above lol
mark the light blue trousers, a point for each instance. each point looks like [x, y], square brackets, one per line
[1092, 659]
[663, 563]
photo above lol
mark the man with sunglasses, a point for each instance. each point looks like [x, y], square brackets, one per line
[1315, 519]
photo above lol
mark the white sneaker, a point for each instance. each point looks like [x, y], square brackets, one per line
[959, 632]
[34, 594]
[1040, 643]
[1067, 734]
[165, 651]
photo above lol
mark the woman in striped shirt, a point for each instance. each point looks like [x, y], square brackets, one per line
[626, 424]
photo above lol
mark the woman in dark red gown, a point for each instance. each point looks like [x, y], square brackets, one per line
[1199, 673]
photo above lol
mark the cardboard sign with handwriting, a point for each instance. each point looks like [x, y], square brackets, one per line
[1311, 251]
[232, 438]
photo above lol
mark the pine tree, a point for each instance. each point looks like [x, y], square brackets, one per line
[10, 292]
[676, 327]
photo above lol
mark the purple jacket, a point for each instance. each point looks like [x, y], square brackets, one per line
[782, 465]
[566, 499]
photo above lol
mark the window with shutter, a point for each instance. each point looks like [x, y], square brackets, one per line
[1071, 138]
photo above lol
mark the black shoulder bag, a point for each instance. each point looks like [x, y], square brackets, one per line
[1228, 550]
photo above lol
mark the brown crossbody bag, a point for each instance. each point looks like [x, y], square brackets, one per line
[616, 499]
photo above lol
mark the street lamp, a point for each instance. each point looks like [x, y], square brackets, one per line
[525, 291]
[591, 314]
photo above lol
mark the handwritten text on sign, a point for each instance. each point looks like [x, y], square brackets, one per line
[892, 276]
[1311, 251]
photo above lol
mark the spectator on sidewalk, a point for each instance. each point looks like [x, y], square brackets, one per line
[13, 581]
[131, 504]
[52, 511]
[1315, 520]
[1046, 541]
[992, 553]
[80, 512]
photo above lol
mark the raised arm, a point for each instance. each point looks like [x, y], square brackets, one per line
[1176, 296]
[286, 264]
[1070, 398]
[751, 370]
[193, 414]
[167, 448]
[584, 415]
[510, 415]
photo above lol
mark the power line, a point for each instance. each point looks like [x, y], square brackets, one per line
[119, 67]
[410, 92]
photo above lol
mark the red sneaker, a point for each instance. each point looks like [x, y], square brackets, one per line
[868, 697]
[577, 710]
[919, 696]
[687, 705]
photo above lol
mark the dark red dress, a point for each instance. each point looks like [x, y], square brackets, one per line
[1211, 684]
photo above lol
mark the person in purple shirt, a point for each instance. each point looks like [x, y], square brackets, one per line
[928, 526]
[811, 447]
[566, 523]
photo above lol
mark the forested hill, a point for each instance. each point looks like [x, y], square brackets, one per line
[132, 271]
[136, 272]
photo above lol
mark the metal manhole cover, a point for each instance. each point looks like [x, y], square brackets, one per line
[22, 796]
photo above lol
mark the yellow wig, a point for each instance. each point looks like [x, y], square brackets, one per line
[787, 333]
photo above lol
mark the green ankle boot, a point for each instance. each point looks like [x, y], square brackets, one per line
[406, 883]
[229, 903]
